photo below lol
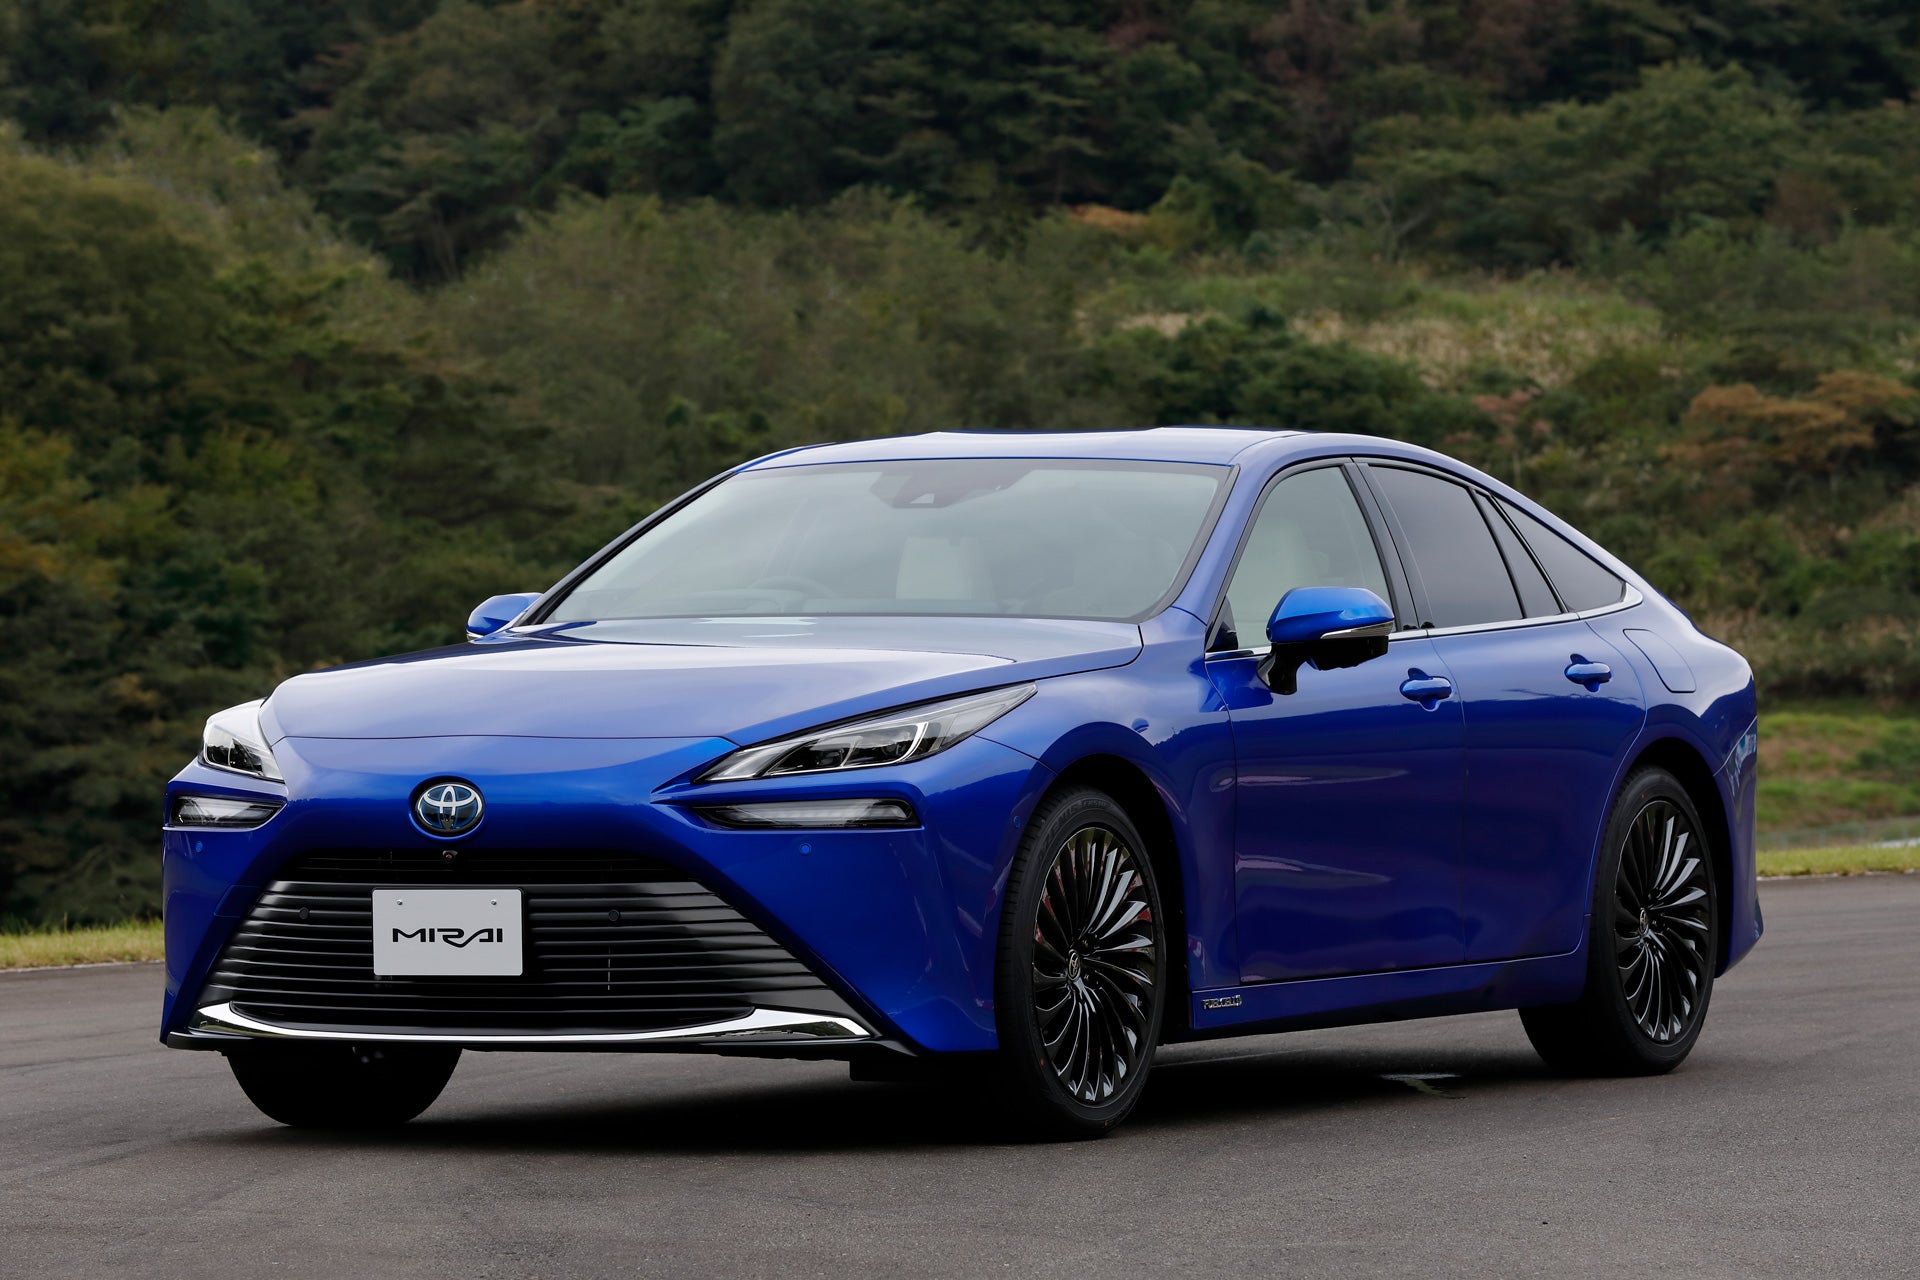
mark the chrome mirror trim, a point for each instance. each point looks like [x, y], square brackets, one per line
[1361, 633]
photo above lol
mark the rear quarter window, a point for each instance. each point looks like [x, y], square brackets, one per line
[1583, 583]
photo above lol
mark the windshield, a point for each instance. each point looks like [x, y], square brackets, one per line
[1039, 538]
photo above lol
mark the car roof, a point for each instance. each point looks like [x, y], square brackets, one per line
[1217, 445]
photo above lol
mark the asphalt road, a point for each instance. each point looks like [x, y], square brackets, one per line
[1788, 1145]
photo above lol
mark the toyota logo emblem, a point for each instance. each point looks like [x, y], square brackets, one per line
[448, 808]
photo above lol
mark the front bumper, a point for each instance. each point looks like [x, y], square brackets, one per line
[901, 923]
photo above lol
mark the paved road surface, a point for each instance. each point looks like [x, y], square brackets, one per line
[1788, 1145]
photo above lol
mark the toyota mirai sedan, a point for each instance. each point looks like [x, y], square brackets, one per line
[1006, 757]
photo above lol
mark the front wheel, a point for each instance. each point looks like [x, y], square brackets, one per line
[343, 1086]
[1081, 980]
[1653, 942]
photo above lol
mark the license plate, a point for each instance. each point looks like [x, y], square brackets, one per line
[453, 932]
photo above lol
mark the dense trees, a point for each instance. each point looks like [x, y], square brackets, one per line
[323, 321]
[428, 128]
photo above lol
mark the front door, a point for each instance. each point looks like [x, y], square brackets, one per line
[1348, 791]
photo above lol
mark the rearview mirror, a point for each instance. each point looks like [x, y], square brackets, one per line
[1330, 627]
[496, 612]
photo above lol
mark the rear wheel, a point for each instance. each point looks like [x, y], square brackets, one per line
[1081, 980]
[1654, 937]
[343, 1086]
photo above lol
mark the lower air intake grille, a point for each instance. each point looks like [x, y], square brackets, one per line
[614, 943]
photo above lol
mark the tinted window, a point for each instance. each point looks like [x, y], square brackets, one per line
[1452, 550]
[1536, 597]
[1028, 537]
[1308, 533]
[1582, 583]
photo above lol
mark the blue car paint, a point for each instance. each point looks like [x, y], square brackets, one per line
[1349, 795]
[1543, 755]
[495, 612]
[1306, 614]
[590, 735]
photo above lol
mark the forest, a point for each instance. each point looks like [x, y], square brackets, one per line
[321, 321]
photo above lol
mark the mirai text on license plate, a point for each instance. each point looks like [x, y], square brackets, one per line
[451, 932]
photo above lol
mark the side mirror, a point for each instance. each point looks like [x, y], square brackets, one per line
[1329, 627]
[1307, 614]
[496, 612]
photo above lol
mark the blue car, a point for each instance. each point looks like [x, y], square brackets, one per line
[1012, 756]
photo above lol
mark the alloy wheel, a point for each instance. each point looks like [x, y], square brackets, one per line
[1095, 963]
[1662, 922]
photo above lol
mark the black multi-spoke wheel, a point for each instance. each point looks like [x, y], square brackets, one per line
[1653, 944]
[1080, 986]
[1095, 963]
[1662, 920]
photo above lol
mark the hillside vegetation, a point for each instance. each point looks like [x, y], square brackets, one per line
[324, 321]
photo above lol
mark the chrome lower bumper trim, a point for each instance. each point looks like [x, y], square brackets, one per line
[762, 1026]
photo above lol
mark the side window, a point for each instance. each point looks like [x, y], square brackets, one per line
[1308, 533]
[1536, 597]
[1450, 547]
[1581, 581]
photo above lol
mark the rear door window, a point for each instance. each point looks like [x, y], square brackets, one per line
[1449, 548]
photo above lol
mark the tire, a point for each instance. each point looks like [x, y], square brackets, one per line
[1653, 945]
[343, 1086]
[1081, 981]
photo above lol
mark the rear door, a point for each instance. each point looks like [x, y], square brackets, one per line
[1550, 710]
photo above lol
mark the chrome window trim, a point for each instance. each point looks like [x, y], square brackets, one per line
[1632, 598]
[760, 1025]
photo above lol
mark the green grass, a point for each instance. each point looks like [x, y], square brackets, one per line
[36, 947]
[1833, 766]
[1846, 861]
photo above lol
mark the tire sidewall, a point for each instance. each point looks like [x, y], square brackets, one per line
[1023, 1056]
[1603, 974]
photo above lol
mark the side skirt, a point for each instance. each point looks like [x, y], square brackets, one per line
[1385, 997]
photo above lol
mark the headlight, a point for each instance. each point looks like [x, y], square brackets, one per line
[894, 738]
[233, 741]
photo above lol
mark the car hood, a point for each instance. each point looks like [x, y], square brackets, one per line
[743, 679]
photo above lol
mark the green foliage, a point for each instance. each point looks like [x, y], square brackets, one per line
[210, 476]
[1260, 372]
[326, 320]
[765, 331]
[1536, 188]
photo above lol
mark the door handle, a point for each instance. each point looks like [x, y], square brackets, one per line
[1425, 689]
[1590, 674]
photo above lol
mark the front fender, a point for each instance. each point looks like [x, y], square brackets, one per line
[1162, 717]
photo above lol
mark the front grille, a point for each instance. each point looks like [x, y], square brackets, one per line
[614, 942]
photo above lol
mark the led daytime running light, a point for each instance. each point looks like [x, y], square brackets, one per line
[221, 811]
[862, 812]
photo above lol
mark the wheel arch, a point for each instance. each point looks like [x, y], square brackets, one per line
[1136, 793]
[1681, 759]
